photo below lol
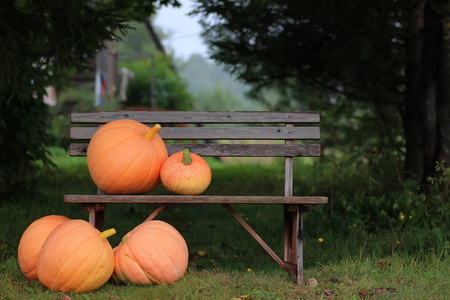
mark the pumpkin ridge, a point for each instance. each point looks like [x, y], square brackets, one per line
[150, 163]
[135, 161]
[109, 149]
[175, 269]
[67, 261]
[117, 141]
[155, 152]
[150, 277]
[133, 259]
[99, 262]
[179, 237]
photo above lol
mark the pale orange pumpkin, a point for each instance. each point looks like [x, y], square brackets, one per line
[76, 257]
[31, 242]
[185, 173]
[152, 253]
[125, 157]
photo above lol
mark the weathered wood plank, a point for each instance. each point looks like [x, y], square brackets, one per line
[219, 133]
[198, 199]
[230, 150]
[196, 117]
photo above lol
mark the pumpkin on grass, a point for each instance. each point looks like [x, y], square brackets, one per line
[31, 242]
[76, 257]
[125, 157]
[185, 173]
[152, 253]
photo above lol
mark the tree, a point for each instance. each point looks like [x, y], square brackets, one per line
[387, 53]
[39, 42]
[155, 81]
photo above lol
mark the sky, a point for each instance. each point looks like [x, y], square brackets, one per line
[184, 30]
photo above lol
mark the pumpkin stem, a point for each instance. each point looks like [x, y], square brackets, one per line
[187, 159]
[107, 233]
[149, 135]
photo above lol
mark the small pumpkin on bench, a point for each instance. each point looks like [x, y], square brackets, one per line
[185, 173]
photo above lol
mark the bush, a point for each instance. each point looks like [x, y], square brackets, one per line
[170, 90]
[23, 139]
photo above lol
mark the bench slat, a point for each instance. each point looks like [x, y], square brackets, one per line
[219, 133]
[199, 199]
[196, 117]
[230, 150]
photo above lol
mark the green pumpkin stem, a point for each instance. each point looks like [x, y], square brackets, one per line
[149, 135]
[107, 233]
[187, 159]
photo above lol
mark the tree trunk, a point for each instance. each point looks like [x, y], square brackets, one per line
[443, 100]
[426, 114]
[410, 112]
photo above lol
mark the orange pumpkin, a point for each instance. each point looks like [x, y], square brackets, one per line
[125, 157]
[185, 173]
[152, 253]
[76, 257]
[31, 242]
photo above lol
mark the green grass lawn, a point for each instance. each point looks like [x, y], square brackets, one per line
[399, 259]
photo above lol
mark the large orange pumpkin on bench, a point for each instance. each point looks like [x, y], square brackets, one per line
[125, 157]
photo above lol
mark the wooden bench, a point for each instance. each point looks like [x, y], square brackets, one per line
[233, 134]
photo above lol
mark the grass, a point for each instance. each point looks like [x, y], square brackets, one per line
[401, 260]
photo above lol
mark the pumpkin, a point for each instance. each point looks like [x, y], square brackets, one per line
[125, 157]
[152, 253]
[76, 257]
[185, 173]
[31, 242]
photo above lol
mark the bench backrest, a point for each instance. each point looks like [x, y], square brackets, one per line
[232, 133]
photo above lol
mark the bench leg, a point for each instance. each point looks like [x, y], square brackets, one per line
[96, 215]
[293, 240]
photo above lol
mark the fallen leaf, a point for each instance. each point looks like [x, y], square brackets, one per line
[379, 291]
[380, 264]
[328, 292]
[334, 280]
[362, 292]
[240, 297]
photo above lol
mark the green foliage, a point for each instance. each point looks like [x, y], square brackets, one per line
[23, 141]
[39, 43]
[170, 90]
[213, 88]
[138, 53]
[442, 176]
[370, 196]
[318, 44]
[136, 10]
